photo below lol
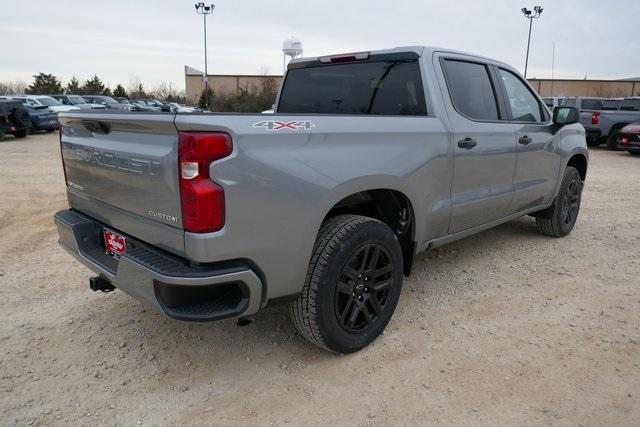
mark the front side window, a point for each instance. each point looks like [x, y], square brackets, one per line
[630, 105]
[611, 104]
[471, 90]
[524, 105]
[369, 88]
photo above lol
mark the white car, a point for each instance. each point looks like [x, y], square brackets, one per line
[39, 100]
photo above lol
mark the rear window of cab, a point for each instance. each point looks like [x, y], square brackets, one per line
[392, 88]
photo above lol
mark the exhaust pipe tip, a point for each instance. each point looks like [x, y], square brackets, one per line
[101, 284]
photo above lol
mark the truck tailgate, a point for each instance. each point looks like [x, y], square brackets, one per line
[122, 169]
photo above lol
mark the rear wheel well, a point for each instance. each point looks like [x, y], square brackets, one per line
[388, 206]
[579, 162]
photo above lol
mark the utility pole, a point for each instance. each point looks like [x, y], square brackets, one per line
[553, 66]
[204, 10]
[537, 11]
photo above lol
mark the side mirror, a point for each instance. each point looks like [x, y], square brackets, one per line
[565, 116]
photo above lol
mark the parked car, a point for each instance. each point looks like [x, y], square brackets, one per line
[141, 106]
[369, 159]
[153, 103]
[14, 118]
[42, 118]
[553, 101]
[77, 101]
[107, 101]
[122, 99]
[629, 138]
[604, 126]
[43, 100]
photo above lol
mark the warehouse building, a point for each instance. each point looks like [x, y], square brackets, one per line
[223, 84]
[597, 88]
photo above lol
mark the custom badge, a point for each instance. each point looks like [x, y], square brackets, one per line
[274, 125]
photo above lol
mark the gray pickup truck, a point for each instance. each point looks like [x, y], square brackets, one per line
[368, 159]
[604, 126]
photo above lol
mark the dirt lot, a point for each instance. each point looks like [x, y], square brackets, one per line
[507, 327]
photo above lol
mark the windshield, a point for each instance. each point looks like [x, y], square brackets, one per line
[377, 87]
[76, 99]
[48, 101]
[105, 100]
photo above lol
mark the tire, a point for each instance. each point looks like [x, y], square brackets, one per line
[20, 118]
[633, 153]
[21, 133]
[612, 139]
[560, 218]
[348, 298]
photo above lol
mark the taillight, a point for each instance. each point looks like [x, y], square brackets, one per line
[595, 118]
[202, 200]
[64, 170]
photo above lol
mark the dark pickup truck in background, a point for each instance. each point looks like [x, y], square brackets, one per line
[603, 126]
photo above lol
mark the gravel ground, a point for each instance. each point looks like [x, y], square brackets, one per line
[506, 327]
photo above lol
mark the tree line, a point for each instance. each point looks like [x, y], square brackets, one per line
[247, 99]
[49, 84]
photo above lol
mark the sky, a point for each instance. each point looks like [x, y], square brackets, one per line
[128, 40]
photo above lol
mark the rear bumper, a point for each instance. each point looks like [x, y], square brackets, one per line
[629, 147]
[46, 125]
[167, 283]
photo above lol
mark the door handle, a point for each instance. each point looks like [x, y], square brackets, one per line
[525, 140]
[467, 143]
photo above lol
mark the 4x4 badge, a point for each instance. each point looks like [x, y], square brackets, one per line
[276, 125]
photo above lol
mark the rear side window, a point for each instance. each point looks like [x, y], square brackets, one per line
[379, 88]
[591, 104]
[471, 90]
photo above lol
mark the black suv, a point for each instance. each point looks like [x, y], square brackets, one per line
[14, 119]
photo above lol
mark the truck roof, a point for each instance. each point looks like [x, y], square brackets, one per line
[419, 50]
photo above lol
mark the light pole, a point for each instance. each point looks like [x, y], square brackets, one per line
[204, 10]
[537, 11]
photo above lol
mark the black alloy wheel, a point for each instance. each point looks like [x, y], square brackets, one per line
[363, 288]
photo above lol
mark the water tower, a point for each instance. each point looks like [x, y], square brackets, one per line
[291, 47]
